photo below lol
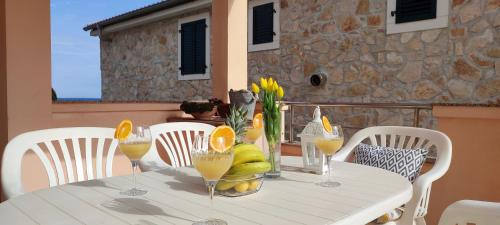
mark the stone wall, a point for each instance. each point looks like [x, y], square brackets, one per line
[347, 40]
[140, 64]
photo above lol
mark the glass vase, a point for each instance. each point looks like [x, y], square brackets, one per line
[273, 146]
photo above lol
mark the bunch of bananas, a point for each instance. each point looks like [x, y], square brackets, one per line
[248, 161]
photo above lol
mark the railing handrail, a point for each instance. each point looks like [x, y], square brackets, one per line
[364, 105]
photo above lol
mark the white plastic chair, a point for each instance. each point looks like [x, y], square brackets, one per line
[409, 138]
[469, 211]
[34, 140]
[176, 138]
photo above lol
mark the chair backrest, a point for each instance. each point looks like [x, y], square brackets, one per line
[471, 212]
[48, 145]
[176, 139]
[407, 138]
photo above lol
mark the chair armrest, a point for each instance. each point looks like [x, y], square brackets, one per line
[417, 206]
[470, 211]
[343, 154]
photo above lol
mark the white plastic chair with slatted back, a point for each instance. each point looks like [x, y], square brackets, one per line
[55, 142]
[466, 212]
[176, 139]
[407, 138]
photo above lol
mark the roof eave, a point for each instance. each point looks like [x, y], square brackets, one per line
[144, 16]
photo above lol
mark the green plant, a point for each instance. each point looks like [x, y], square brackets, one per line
[271, 94]
[237, 120]
[200, 107]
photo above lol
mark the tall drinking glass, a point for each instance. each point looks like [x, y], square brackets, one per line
[252, 134]
[212, 165]
[134, 147]
[329, 145]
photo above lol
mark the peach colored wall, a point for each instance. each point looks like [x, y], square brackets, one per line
[237, 45]
[25, 63]
[28, 65]
[474, 171]
[3, 79]
[229, 41]
[219, 49]
[110, 114]
[3, 83]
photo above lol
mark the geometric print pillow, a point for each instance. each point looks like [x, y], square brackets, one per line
[405, 162]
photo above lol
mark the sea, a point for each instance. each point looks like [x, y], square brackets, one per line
[78, 99]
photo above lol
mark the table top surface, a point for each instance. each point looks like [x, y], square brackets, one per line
[179, 196]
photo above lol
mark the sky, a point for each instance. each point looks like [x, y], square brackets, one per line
[75, 54]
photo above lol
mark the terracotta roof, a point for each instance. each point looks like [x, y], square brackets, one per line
[165, 4]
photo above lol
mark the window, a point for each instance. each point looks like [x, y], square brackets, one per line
[263, 25]
[194, 47]
[414, 15]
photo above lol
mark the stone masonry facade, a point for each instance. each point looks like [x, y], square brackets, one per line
[347, 40]
[140, 64]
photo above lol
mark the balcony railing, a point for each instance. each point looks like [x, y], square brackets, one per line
[292, 107]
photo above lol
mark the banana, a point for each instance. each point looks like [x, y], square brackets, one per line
[249, 168]
[241, 147]
[223, 185]
[228, 182]
[248, 160]
[248, 155]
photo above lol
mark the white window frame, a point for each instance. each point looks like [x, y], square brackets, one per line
[440, 21]
[276, 25]
[188, 19]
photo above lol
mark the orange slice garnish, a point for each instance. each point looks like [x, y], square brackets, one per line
[225, 132]
[326, 124]
[123, 130]
[257, 121]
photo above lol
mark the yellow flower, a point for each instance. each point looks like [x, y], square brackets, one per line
[275, 86]
[281, 93]
[263, 83]
[270, 81]
[255, 88]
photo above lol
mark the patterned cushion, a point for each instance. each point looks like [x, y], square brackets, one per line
[405, 162]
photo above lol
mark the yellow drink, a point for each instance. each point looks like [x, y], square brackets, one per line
[328, 145]
[252, 134]
[134, 150]
[212, 166]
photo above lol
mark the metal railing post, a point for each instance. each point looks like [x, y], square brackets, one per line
[416, 119]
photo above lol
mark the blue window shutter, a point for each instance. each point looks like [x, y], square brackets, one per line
[414, 10]
[263, 23]
[200, 65]
[193, 47]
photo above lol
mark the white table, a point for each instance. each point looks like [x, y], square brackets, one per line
[178, 196]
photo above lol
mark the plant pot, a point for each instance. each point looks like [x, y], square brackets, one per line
[204, 115]
[243, 98]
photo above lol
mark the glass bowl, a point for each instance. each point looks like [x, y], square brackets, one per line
[239, 186]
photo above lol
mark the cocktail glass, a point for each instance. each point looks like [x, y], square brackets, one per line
[329, 145]
[212, 165]
[135, 146]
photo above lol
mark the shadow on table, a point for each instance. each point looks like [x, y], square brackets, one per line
[184, 181]
[138, 206]
[288, 179]
[93, 183]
